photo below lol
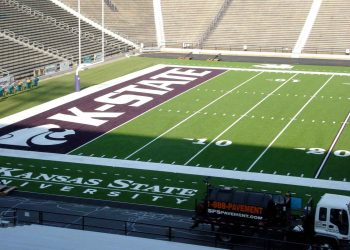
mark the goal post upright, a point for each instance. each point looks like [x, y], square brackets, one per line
[81, 65]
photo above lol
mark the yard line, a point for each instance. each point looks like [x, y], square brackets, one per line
[240, 118]
[189, 117]
[290, 122]
[332, 146]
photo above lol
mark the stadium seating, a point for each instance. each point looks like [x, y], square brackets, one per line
[20, 60]
[52, 27]
[273, 26]
[330, 33]
[186, 21]
[132, 19]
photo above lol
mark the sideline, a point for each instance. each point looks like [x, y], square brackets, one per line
[179, 169]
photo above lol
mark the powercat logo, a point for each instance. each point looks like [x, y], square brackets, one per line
[65, 127]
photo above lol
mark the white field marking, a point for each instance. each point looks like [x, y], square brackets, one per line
[179, 169]
[332, 146]
[104, 107]
[239, 119]
[155, 107]
[189, 117]
[290, 122]
[97, 187]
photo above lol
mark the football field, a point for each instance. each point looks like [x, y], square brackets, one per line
[152, 136]
[267, 122]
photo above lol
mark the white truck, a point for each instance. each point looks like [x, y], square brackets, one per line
[231, 212]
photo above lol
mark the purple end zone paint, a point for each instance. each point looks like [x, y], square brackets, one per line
[72, 124]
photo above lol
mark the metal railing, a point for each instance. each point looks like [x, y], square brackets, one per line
[205, 236]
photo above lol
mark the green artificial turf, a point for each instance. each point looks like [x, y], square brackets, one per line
[250, 117]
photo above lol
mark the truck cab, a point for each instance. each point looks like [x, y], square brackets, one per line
[332, 219]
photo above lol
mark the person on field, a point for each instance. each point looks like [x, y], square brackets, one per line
[19, 86]
[36, 81]
[10, 89]
[28, 83]
[1, 91]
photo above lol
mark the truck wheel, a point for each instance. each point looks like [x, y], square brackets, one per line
[325, 246]
[225, 237]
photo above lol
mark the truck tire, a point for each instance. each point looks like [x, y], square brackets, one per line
[224, 235]
[324, 244]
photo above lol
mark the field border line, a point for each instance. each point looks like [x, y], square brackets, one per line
[189, 117]
[288, 124]
[180, 169]
[274, 70]
[332, 146]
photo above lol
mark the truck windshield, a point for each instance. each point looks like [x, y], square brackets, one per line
[341, 220]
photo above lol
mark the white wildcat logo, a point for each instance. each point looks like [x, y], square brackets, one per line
[44, 135]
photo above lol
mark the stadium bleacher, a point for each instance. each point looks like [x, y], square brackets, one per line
[272, 26]
[330, 33]
[132, 19]
[186, 21]
[45, 24]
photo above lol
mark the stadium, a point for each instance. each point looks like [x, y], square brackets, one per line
[141, 107]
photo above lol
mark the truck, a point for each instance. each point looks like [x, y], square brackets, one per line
[232, 212]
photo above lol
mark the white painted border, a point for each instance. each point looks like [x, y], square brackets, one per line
[179, 169]
[158, 19]
[307, 28]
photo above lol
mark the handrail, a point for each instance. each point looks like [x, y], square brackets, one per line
[35, 45]
[213, 23]
[141, 229]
